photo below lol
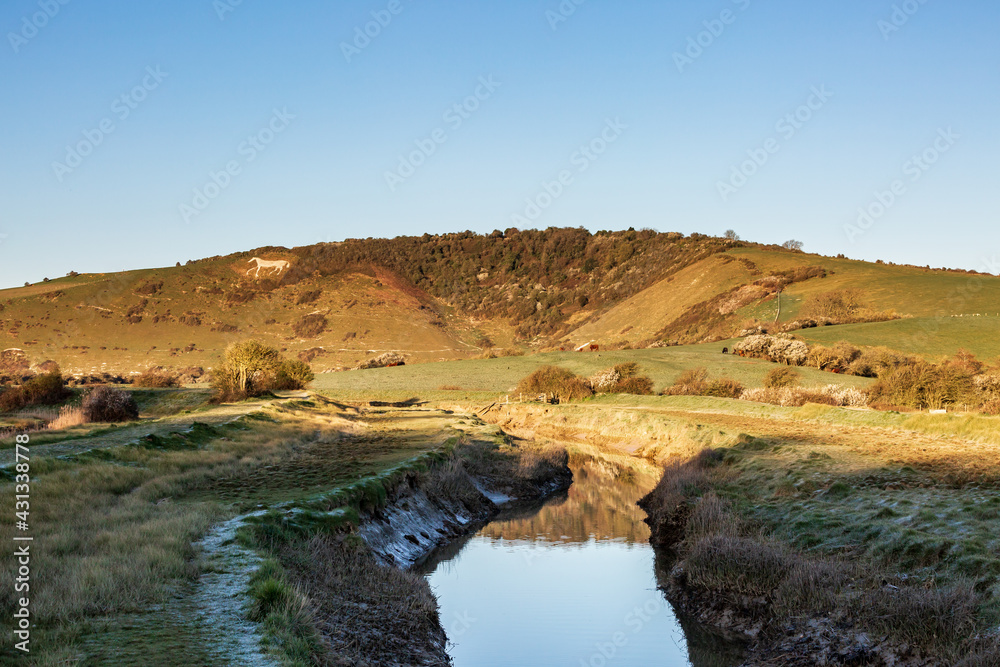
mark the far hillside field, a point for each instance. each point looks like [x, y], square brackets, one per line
[501, 376]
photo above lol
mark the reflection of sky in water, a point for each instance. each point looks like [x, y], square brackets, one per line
[562, 597]
[545, 604]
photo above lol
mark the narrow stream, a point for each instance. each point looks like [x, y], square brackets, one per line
[571, 582]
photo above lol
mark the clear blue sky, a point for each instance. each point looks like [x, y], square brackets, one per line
[322, 177]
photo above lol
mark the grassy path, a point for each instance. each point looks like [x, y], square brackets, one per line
[103, 438]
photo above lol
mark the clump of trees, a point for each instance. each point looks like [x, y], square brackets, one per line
[535, 278]
[251, 368]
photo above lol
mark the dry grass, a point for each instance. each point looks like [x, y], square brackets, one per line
[68, 417]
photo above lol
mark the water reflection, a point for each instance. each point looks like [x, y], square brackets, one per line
[572, 581]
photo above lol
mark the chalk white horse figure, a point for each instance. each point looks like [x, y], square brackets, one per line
[277, 265]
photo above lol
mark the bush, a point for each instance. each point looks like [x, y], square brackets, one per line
[386, 360]
[556, 381]
[46, 389]
[155, 378]
[293, 374]
[837, 358]
[779, 348]
[781, 377]
[249, 369]
[691, 382]
[833, 394]
[922, 386]
[723, 388]
[109, 405]
[310, 326]
[622, 379]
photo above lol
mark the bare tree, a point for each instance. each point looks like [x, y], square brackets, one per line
[732, 235]
[792, 245]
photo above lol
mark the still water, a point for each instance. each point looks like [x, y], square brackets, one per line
[572, 582]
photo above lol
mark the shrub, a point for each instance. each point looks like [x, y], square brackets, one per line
[691, 382]
[779, 348]
[45, 389]
[386, 360]
[498, 352]
[622, 379]
[293, 374]
[556, 381]
[249, 368]
[837, 358]
[310, 326]
[155, 378]
[308, 297]
[833, 394]
[639, 386]
[723, 388]
[108, 404]
[922, 385]
[781, 377]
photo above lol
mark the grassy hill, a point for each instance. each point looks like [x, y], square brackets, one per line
[448, 297]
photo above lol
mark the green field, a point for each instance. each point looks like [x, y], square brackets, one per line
[501, 376]
[932, 338]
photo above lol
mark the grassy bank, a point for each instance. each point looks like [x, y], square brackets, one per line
[896, 544]
[115, 521]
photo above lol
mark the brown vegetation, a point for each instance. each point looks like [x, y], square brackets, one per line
[555, 381]
[44, 389]
[156, 377]
[109, 405]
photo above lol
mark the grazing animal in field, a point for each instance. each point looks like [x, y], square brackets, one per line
[276, 265]
[725, 350]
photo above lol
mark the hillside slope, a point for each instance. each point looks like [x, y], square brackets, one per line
[451, 296]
